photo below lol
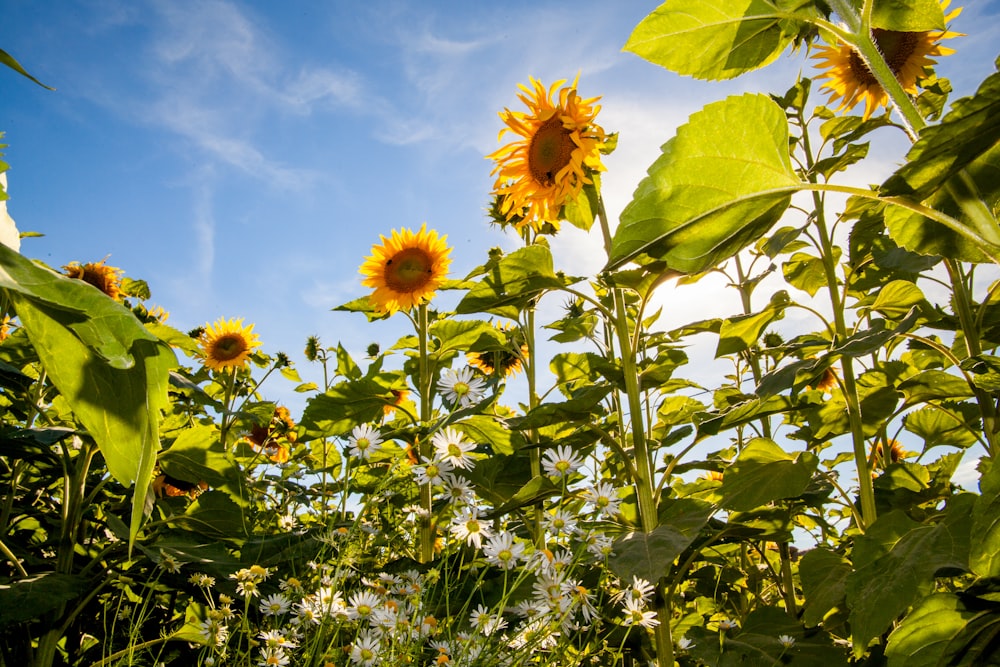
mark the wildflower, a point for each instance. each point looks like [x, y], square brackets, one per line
[406, 269]
[365, 440]
[227, 344]
[213, 631]
[502, 551]
[581, 598]
[362, 604]
[504, 361]
[365, 650]
[456, 489]
[432, 472]
[727, 624]
[467, 526]
[103, 277]
[201, 580]
[169, 562]
[786, 641]
[275, 605]
[485, 622]
[907, 54]
[637, 614]
[272, 658]
[600, 545]
[561, 461]
[559, 144]
[604, 499]
[683, 644]
[462, 388]
[274, 639]
[450, 446]
[561, 521]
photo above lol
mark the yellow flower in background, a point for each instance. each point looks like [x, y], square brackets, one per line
[103, 277]
[227, 344]
[908, 54]
[406, 269]
[503, 362]
[559, 142]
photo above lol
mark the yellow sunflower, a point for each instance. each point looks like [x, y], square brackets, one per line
[908, 55]
[559, 145]
[103, 277]
[406, 269]
[227, 344]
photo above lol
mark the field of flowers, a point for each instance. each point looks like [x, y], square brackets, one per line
[157, 509]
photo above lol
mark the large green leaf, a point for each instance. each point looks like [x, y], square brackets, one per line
[344, 406]
[927, 636]
[509, 282]
[886, 581]
[197, 455]
[719, 185]
[824, 580]
[984, 555]
[107, 366]
[714, 40]
[650, 555]
[908, 15]
[34, 596]
[763, 472]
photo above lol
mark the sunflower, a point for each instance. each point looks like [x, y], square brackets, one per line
[505, 361]
[227, 344]
[275, 439]
[559, 145]
[103, 277]
[908, 55]
[406, 269]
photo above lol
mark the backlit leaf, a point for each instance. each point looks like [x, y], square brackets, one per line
[719, 185]
[763, 472]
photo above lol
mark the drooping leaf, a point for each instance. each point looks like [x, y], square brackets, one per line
[806, 271]
[928, 636]
[713, 40]
[535, 490]
[34, 596]
[719, 185]
[511, 281]
[984, 556]
[763, 472]
[344, 406]
[9, 61]
[197, 455]
[742, 332]
[886, 582]
[649, 555]
[824, 581]
[908, 15]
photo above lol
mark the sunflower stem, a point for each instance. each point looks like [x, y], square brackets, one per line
[643, 464]
[424, 446]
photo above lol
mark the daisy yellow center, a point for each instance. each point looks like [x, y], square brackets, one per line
[550, 150]
[228, 347]
[455, 451]
[562, 465]
[896, 46]
[472, 526]
[460, 388]
[409, 270]
[432, 470]
[505, 555]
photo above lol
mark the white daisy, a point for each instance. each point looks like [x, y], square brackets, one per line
[365, 650]
[275, 605]
[561, 461]
[432, 472]
[604, 499]
[467, 525]
[364, 440]
[450, 445]
[637, 614]
[462, 388]
[502, 551]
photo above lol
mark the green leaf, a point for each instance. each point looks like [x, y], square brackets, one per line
[197, 455]
[824, 581]
[908, 15]
[764, 472]
[711, 40]
[485, 430]
[535, 490]
[451, 335]
[742, 413]
[896, 298]
[931, 385]
[943, 425]
[741, 333]
[806, 271]
[8, 60]
[344, 406]
[581, 210]
[37, 595]
[984, 556]
[886, 581]
[965, 134]
[649, 555]
[214, 514]
[927, 633]
[719, 185]
[581, 408]
[511, 282]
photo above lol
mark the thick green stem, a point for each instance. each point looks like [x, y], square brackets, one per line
[426, 520]
[963, 307]
[642, 460]
[531, 373]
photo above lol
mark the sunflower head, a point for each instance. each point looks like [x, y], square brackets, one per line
[910, 55]
[504, 361]
[106, 278]
[406, 269]
[557, 148]
[227, 344]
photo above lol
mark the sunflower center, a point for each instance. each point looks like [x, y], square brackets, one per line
[897, 47]
[550, 150]
[228, 347]
[409, 270]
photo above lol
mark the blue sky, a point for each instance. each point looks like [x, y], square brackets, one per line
[243, 157]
